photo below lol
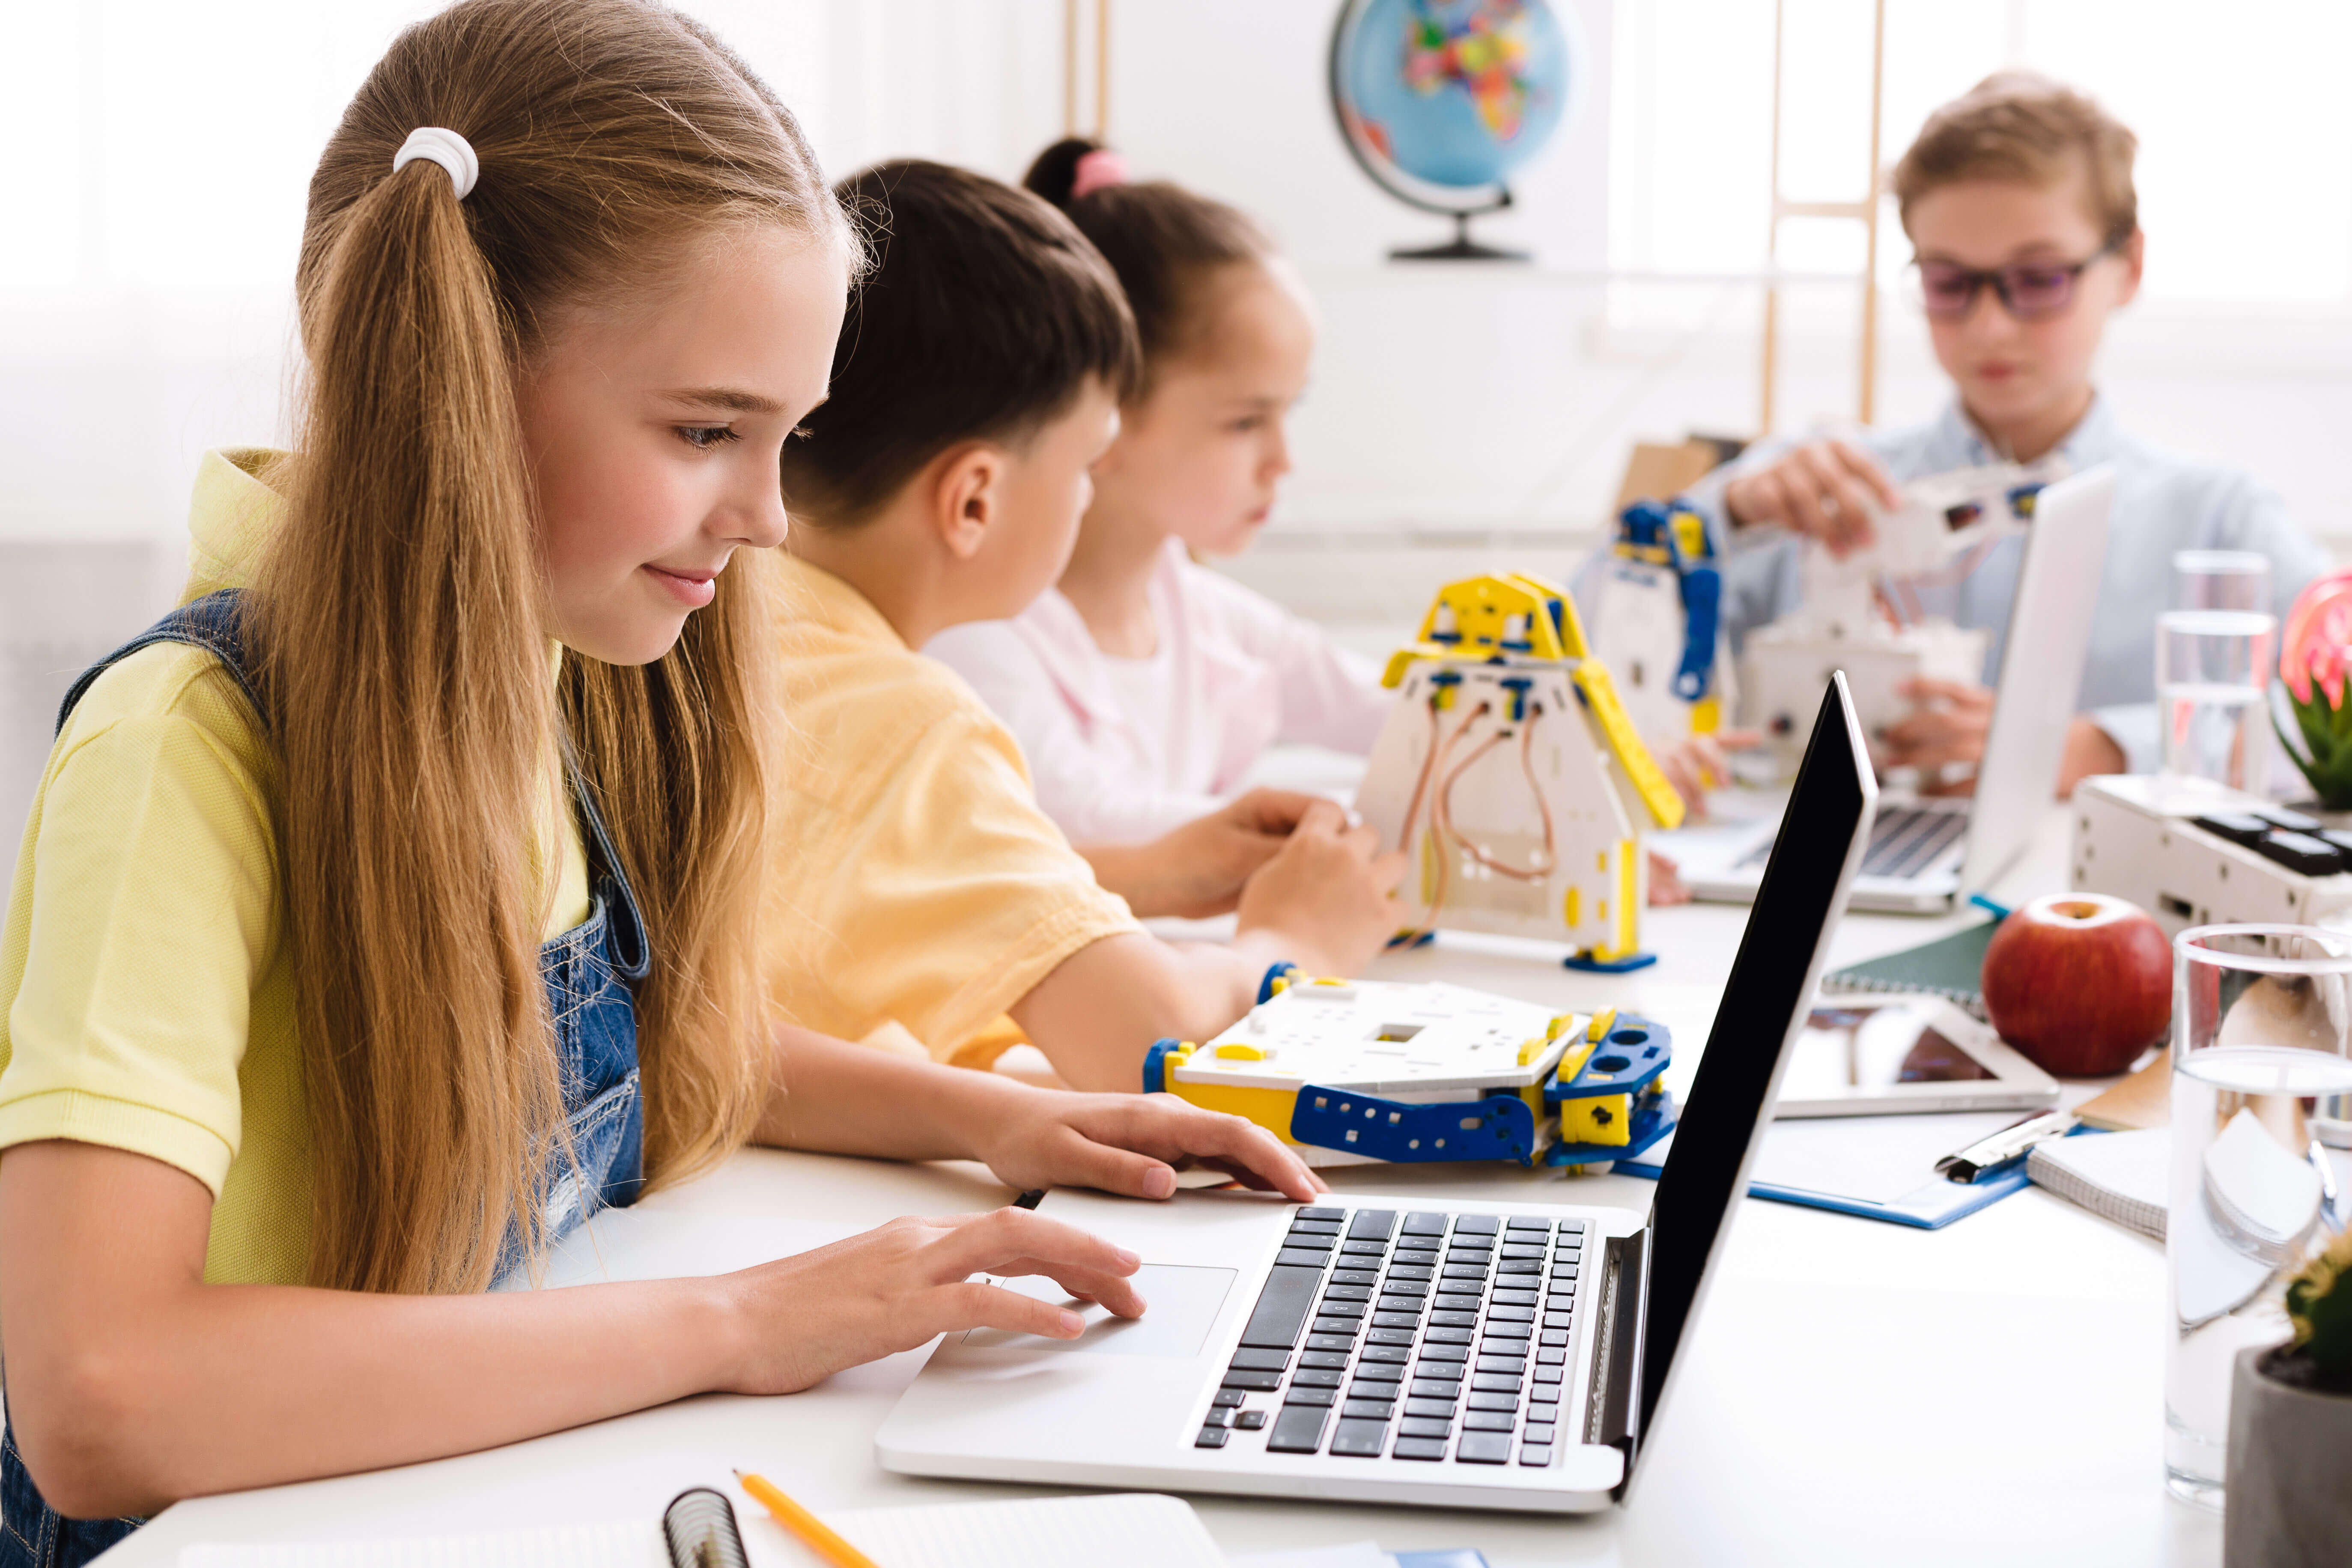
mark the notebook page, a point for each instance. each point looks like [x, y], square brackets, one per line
[1131, 1529]
[627, 1545]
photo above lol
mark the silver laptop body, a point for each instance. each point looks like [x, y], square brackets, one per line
[1402, 1350]
[1926, 853]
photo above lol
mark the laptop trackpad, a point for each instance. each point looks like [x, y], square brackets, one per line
[1180, 1305]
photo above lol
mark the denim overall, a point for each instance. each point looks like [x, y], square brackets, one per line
[590, 973]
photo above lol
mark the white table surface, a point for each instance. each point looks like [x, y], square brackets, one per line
[1855, 1392]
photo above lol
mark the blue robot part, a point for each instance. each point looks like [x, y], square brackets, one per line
[1500, 1127]
[1655, 1116]
[1636, 1051]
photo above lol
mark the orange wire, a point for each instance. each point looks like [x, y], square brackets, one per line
[1441, 808]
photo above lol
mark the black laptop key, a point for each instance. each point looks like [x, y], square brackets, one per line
[1394, 1338]
[1477, 1224]
[1434, 1388]
[1488, 1421]
[1529, 1267]
[1419, 1449]
[1488, 1381]
[1408, 1255]
[1298, 1430]
[1452, 1303]
[1535, 1455]
[1420, 1224]
[1249, 1420]
[1484, 1448]
[1333, 1359]
[1447, 1335]
[1317, 1377]
[1360, 1439]
[1327, 1307]
[1512, 1314]
[1476, 1272]
[1406, 1321]
[1503, 1297]
[1247, 1360]
[1336, 1328]
[1430, 1409]
[1446, 1353]
[1364, 1248]
[1219, 1415]
[1355, 1276]
[1463, 1321]
[1212, 1438]
[1473, 1250]
[1405, 1286]
[1389, 1392]
[1425, 1426]
[1228, 1396]
[1371, 1224]
[1538, 1432]
[1488, 1399]
[1365, 1410]
[1300, 1258]
[1323, 1396]
[1322, 1213]
[1302, 1223]
[1396, 1354]
[1401, 1302]
[1565, 1270]
[1401, 1269]
[1529, 1222]
[1322, 1341]
[1554, 1338]
[1347, 1292]
[1568, 1228]
[1550, 1373]
[1551, 1354]
[1523, 1254]
[1506, 1365]
[1262, 1380]
[1311, 1241]
[2301, 853]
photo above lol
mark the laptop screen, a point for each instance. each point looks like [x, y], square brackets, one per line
[1763, 1007]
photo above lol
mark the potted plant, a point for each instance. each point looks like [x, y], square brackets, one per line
[2314, 656]
[2290, 1466]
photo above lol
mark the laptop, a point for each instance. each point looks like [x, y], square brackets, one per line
[1925, 854]
[1405, 1350]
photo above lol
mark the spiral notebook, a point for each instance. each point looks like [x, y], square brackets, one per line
[1949, 967]
[1133, 1529]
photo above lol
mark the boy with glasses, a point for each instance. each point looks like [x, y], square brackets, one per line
[2018, 199]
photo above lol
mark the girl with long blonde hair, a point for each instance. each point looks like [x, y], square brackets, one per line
[389, 907]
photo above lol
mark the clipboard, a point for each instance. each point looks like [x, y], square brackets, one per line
[1931, 1204]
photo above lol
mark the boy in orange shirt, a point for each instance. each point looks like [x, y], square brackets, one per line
[918, 891]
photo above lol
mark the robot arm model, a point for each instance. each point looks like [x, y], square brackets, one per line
[1512, 775]
[1860, 614]
[1658, 622]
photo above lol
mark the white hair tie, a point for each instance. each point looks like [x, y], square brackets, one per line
[447, 148]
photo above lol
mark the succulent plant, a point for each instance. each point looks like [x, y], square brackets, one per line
[2319, 1309]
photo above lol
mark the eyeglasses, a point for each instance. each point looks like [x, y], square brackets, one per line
[2034, 291]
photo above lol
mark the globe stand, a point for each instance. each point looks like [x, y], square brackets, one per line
[1461, 248]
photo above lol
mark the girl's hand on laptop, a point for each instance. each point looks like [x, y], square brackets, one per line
[1824, 489]
[801, 1319]
[1133, 1144]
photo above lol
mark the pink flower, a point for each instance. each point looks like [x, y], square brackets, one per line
[2318, 637]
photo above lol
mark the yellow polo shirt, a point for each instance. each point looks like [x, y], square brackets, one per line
[915, 883]
[146, 997]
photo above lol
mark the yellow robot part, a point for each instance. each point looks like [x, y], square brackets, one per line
[1642, 771]
[1604, 1118]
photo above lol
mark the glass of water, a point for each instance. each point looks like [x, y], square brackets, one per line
[2212, 676]
[2222, 579]
[2262, 1037]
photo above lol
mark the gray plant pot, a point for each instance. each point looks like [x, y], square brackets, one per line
[2290, 1473]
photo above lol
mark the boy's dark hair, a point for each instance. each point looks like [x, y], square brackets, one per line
[982, 314]
[1161, 240]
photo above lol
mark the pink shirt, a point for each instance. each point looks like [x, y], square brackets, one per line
[1123, 750]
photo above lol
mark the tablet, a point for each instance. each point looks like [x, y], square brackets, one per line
[1882, 1055]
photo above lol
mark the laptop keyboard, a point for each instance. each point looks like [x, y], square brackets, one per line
[1905, 840]
[1424, 1337]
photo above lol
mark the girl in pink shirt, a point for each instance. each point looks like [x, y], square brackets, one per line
[1144, 687]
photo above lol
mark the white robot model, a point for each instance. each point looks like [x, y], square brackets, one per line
[1849, 616]
[1514, 779]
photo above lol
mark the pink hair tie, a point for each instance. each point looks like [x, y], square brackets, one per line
[1098, 169]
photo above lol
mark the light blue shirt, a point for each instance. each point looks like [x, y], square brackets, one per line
[2164, 504]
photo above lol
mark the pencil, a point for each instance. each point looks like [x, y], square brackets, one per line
[812, 1530]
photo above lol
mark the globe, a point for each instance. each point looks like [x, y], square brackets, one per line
[1441, 101]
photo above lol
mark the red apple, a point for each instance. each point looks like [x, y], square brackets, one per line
[2081, 983]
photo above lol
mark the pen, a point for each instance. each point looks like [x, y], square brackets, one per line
[2006, 1147]
[813, 1531]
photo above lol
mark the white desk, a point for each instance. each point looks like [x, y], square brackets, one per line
[1857, 1392]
